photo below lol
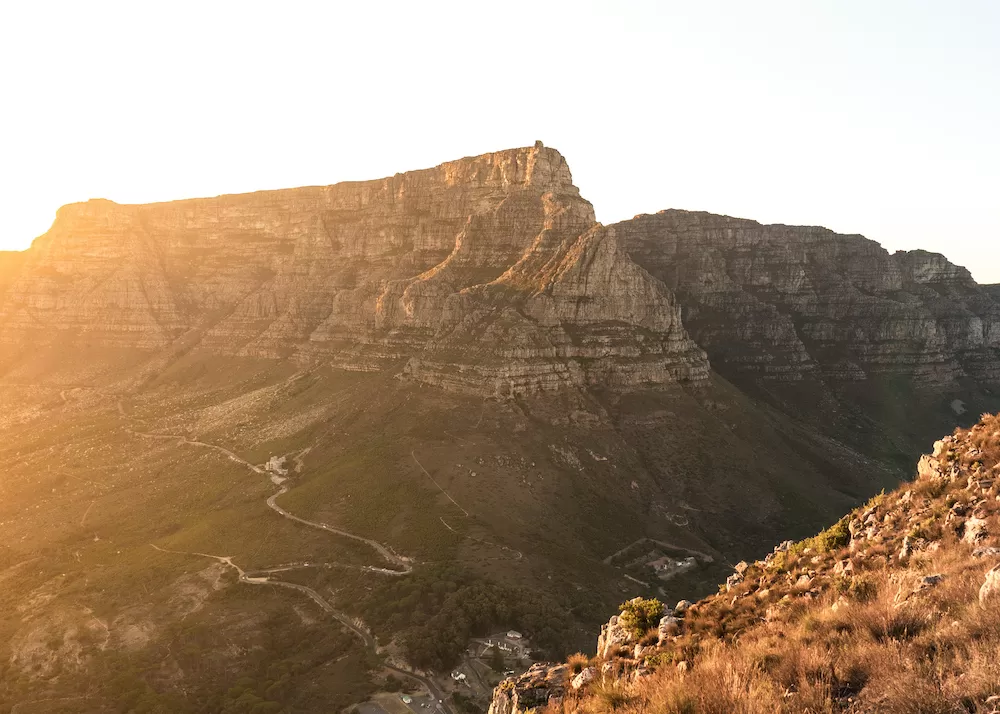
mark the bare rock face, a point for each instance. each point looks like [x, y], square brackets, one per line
[613, 637]
[784, 302]
[489, 274]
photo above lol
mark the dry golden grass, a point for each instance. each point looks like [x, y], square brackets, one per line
[876, 638]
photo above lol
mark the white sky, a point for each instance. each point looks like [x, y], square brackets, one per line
[878, 117]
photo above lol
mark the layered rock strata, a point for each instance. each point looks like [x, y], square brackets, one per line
[783, 302]
[489, 275]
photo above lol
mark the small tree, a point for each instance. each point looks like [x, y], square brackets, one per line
[640, 614]
[496, 659]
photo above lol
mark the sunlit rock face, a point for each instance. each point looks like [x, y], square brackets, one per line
[782, 302]
[487, 274]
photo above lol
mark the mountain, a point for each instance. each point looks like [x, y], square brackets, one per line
[365, 423]
[894, 609]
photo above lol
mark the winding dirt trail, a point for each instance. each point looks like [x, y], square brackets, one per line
[403, 563]
[261, 576]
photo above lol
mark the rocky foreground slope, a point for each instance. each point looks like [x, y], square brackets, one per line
[896, 608]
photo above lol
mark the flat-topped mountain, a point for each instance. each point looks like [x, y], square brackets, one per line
[490, 275]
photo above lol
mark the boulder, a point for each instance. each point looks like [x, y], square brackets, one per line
[585, 677]
[682, 607]
[907, 548]
[844, 567]
[669, 626]
[928, 467]
[975, 531]
[991, 586]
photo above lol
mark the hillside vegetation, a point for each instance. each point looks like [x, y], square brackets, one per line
[895, 608]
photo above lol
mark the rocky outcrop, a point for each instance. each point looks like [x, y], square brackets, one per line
[784, 302]
[613, 637]
[539, 686]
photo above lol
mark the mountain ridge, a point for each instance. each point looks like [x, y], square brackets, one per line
[369, 272]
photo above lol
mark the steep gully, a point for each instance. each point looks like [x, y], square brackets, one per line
[262, 576]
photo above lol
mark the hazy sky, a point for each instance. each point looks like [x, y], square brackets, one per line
[873, 117]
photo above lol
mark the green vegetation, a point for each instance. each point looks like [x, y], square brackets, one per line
[640, 615]
[436, 610]
[496, 659]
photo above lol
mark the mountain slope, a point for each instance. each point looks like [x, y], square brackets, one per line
[896, 608]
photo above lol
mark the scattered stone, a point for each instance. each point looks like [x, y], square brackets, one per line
[682, 607]
[991, 586]
[585, 677]
[844, 567]
[905, 551]
[683, 666]
[641, 672]
[930, 580]
[669, 627]
[975, 531]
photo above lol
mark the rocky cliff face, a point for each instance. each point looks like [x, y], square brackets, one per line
[489, 275]
[489, 272]
[783, 302]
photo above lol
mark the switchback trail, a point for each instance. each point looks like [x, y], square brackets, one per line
[403, 563]
[353, 625]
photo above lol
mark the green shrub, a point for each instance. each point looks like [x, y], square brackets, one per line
[640, 615]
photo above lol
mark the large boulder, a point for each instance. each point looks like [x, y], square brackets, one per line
[991, 586]
[669, 626]
[975, 531]
[929, 467]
